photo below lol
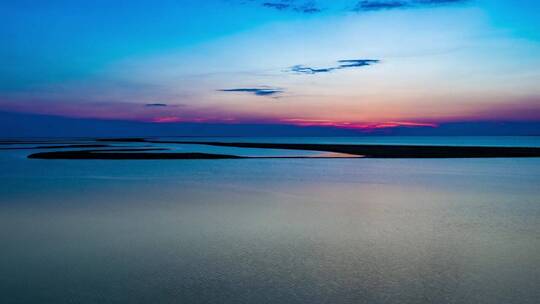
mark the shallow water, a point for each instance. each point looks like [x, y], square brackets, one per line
[269, 231]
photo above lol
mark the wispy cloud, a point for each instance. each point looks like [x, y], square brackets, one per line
[309, 7]
[342, 64]
[299, 6]
[302, 69]
[156, 105]
[277, 5]
[312, 6]
[357, 125]
[351, 63]
[440, 1]
[377, 5]
[261, 91]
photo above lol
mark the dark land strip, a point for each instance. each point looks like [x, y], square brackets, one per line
[57, 147]
[134, 154]
[372, 151]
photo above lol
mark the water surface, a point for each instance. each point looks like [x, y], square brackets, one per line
[269, 231]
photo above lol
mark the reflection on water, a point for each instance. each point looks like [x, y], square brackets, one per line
[269, 231]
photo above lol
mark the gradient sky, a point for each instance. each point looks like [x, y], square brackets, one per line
[335, 62]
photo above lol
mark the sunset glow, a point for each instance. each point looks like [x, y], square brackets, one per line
[344, 64]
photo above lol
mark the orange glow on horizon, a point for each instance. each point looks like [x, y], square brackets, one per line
[355, 125]
[166, 119]
[306, 123]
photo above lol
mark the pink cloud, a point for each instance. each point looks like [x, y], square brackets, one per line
[357, 125]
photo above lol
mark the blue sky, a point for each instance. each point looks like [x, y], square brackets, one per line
[332, 63]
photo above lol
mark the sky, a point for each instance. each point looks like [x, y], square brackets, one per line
[335, 63]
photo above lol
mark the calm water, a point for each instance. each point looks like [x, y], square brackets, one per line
[271, 231]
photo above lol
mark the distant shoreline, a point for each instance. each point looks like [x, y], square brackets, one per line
[126, 155]
[393, 151]
[355, 151]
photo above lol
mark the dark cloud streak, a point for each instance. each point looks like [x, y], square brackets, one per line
[278, 6]
[379, 5]
[369, 5]
[156, 105]
[255, 91]
[301, 69]
[342, 64]
[440, 1]
[298, 6]
[351, 63]
[313, 6]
